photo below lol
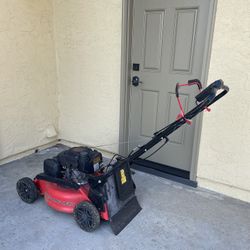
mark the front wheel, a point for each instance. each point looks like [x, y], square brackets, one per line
[27, 190]
[87, 216]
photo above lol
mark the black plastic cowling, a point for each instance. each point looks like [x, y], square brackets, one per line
[84, 159]
[51, 167]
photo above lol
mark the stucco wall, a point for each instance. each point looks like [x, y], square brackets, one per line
[225, 144]
[88, 42]
[27, 75]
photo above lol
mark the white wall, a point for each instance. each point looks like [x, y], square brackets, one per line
[88, 42]
[28, 102]
[224, 161]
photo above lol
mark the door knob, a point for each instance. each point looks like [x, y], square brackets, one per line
[136, 81]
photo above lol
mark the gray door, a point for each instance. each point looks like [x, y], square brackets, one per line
[168, 42]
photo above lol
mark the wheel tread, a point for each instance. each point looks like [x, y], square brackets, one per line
[91, 212]
[29, 195]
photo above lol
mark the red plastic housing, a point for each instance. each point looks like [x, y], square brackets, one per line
[65, 199]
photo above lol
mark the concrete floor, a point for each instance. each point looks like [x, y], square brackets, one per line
[174, 216]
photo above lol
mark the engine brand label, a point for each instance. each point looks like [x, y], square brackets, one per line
[123, 176]
[64, 203]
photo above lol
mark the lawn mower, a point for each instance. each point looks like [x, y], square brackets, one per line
[78, 181]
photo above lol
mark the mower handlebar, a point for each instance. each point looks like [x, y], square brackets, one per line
[210, 91]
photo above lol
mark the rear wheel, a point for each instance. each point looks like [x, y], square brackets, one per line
[87, 216]
[27, 190]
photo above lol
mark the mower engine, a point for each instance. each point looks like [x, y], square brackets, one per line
[74, 164]
[77, 181]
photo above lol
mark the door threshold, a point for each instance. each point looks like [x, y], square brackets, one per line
[167, 172]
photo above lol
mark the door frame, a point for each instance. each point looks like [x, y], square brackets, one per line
[126, 40]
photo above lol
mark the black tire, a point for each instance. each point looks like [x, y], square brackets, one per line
[27, 190]
[87, 216]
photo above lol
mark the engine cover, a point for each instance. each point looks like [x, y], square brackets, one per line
[84, 159]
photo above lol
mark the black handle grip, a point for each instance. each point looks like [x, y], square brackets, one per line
[210, 91]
